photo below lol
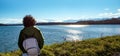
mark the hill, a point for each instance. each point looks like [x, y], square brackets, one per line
[2, 24]
[106, 21]
[104, 46]
[90, 22]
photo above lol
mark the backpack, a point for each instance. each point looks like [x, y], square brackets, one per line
[31, 46]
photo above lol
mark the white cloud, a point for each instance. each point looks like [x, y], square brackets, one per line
[41, 20]
[68, 18]
[62, 19]
[57, 20]
[110, 14]
[118, 10]
[14, 21]
[10, 20]
[49, 20]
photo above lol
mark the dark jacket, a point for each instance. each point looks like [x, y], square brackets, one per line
[28, 32]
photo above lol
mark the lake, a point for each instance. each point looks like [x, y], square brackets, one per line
[56, 33]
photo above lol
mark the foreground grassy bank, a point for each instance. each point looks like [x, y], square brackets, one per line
[105, 46]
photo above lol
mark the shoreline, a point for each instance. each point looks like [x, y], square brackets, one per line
[59, 24]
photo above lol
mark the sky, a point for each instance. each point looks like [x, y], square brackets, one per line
[13, 11]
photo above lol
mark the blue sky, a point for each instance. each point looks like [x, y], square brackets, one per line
[12, 11]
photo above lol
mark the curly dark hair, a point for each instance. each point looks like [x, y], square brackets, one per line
[28, 21]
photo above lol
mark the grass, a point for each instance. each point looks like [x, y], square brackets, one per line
[104, 46]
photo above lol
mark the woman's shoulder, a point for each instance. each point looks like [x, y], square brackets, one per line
[30, 29]
[36, 28]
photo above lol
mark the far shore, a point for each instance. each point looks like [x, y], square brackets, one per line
[111, 21]
[62, 23]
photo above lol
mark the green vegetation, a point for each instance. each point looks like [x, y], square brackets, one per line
[105, 46]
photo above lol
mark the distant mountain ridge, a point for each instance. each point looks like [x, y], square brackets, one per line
[106, 21]
[1, 24]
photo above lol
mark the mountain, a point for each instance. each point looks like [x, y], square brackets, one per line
[105, 21]
[74, 22]
[2, 24]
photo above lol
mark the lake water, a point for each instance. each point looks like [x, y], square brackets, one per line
[56, 33]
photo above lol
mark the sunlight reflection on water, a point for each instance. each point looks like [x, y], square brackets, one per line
[73, 31]
[75, 26]
[73, 35]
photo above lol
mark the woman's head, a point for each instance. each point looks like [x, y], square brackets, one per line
[28, 21]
